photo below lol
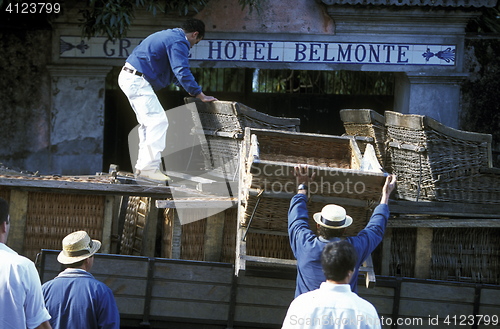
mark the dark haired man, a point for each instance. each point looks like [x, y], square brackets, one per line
[331, 224]
[21, 299]
[159, 60]
[333, 305]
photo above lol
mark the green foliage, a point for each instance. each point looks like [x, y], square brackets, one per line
[489, 21]
[113, 18]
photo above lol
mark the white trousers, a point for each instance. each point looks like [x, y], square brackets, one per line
[153, 122]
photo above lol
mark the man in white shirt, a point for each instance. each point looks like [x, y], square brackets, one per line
[21, 300]
[333, 305]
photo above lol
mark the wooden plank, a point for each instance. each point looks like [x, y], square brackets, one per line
[381, 297]
[369, 272]
[423, 253]
[270, 260]
[189, 310]
[312, 198]
[366, 116]
[214, 237]
[191, 291]
[109, 215]
[490, 297]
[259, 315]
[18, 209]
[176, 236]
[59, 186]
[209, 202]
[430, 308]
[261, 296]
[438, 223]
[438, 292]
[386, 251]
[149, 233]
[462, 209]
[194, 271]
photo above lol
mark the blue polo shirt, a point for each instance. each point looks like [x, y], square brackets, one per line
[307, 247]
[76, 300]
[163, 58]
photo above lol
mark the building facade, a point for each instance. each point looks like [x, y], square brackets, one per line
[66, 114]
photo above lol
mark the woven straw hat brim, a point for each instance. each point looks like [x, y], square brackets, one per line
[317, 219]
[66, 260]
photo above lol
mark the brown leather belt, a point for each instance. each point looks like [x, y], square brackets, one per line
[129, 70]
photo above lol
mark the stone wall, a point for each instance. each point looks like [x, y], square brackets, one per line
[25, 99]
[52, 116]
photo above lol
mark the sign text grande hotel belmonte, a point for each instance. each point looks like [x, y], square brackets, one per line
[276, 51]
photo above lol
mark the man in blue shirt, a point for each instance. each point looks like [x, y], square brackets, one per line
[75, 299]
[331, 224]
[159, 60]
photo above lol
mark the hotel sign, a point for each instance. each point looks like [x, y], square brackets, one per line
[313, 52]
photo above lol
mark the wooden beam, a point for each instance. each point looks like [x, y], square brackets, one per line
[423, 253]
[213, 203]
[109, 215]
[18, 210]
[313, 198]
[369, 272]
[436, 223]
[62, 186]
[462, 209]
[214, 237]
[149, 233]
[176, 236]
[386, 251]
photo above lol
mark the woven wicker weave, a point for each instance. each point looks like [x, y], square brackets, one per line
[135, 220]
[437, 163]
[271, 214]
[268, 183]
[466, 254]
[403, 245]
[223, 124]
[52, 216]
[193, 236]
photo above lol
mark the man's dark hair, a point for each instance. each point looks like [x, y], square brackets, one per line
[75, 265]
[329, 233]
[337, 259]
[4, 211]
[194, 25]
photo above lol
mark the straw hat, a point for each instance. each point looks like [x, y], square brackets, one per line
[77, 246]
[333, 217]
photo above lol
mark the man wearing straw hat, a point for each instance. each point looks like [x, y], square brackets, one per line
[21, 299]
[331, 223]
[75, 299]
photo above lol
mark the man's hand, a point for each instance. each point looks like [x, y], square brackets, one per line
[390, 184]
[205, 98]
[301, 173]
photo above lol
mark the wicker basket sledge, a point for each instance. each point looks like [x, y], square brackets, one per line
[268, 181]
[434, 162]
[222, 124]
[368, 123]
